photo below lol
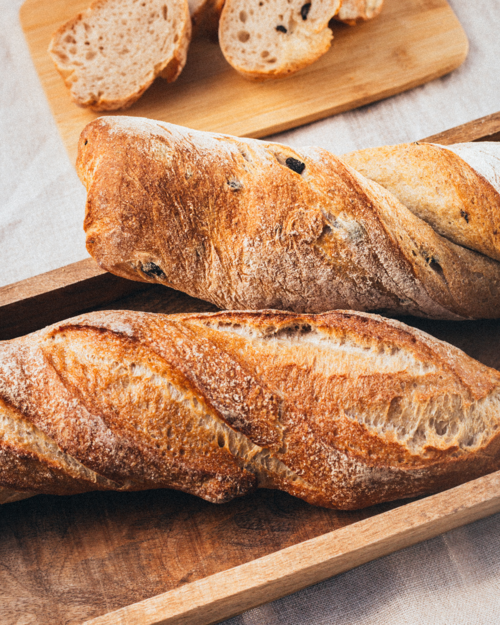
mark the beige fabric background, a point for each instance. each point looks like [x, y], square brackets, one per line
[453, 579]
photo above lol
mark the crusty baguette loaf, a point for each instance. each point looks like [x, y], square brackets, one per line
[342, 409]
[275, 38]
[249, 225]
[111, 53]
[354, 11]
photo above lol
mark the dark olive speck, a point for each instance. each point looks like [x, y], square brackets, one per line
[295, 165]
[281, 29]
[152, 270]
[304, 11]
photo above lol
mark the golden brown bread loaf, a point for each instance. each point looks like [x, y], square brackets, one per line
[342, 409]
[247, 224]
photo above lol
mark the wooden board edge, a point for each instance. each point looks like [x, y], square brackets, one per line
[482, 129]
[36, 302]
[231, 592]
[363, 100]
[50, 281]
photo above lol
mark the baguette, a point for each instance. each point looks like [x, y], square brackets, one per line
[247, 224]
[275, 38]
[111, 53]
[341, 409]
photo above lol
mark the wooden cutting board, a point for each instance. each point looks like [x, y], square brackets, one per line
[69, 559]
[410, 43]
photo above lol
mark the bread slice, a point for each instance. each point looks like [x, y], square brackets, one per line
[110, 54]
[265, 39]
[354, 11]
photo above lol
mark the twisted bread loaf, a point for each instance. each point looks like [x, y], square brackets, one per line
[341, 409]
[247, 224]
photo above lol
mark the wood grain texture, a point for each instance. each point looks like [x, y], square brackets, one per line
[65, 560]
[226, 594]
[36, 302]
[409, 44]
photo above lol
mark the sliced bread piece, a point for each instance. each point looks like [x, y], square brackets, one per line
[265, 39]
[110, 54]
[354, 11]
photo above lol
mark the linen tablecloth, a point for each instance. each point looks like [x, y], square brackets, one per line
[452, 579]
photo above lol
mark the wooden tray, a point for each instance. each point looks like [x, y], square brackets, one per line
[410, 43]
[68, 559]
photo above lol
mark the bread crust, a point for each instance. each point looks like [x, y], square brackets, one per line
[342, 409]
[441, 188]
[228, 221]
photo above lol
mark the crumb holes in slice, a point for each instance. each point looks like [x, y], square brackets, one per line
[441, 428]
[164, 11]
[264, 54]
[243, 16]
[243, 36]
